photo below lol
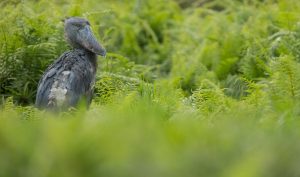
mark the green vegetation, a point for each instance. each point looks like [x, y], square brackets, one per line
[189, 88]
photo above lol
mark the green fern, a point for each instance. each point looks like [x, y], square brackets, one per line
[284, 83]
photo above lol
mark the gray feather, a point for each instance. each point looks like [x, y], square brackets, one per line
[67, 81]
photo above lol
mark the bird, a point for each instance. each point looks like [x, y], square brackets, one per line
[70, 79]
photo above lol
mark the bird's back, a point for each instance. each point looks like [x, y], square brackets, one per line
[67, 81]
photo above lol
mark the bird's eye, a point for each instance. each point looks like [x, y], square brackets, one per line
[78, 25]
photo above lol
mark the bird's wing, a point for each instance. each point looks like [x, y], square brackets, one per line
[47, 81]
[65, 83]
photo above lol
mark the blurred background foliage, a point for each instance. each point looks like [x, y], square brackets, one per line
[188, 88]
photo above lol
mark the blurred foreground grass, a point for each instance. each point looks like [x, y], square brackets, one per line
[142, 138]
[189, 88]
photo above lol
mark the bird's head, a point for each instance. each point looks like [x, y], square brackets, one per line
[79, 34]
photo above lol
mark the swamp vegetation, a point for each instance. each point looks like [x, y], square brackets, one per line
[189, 88]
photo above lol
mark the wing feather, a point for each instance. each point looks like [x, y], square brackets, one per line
[67, 81]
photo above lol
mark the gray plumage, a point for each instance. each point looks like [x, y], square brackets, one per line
[71, 77]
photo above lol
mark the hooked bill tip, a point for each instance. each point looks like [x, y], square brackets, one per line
[103, 53]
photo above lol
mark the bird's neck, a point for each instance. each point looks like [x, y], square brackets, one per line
[92, 57]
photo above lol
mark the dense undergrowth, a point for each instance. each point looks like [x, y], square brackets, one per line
[189, 88]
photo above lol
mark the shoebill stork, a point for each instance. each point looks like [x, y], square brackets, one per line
[70, 79]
